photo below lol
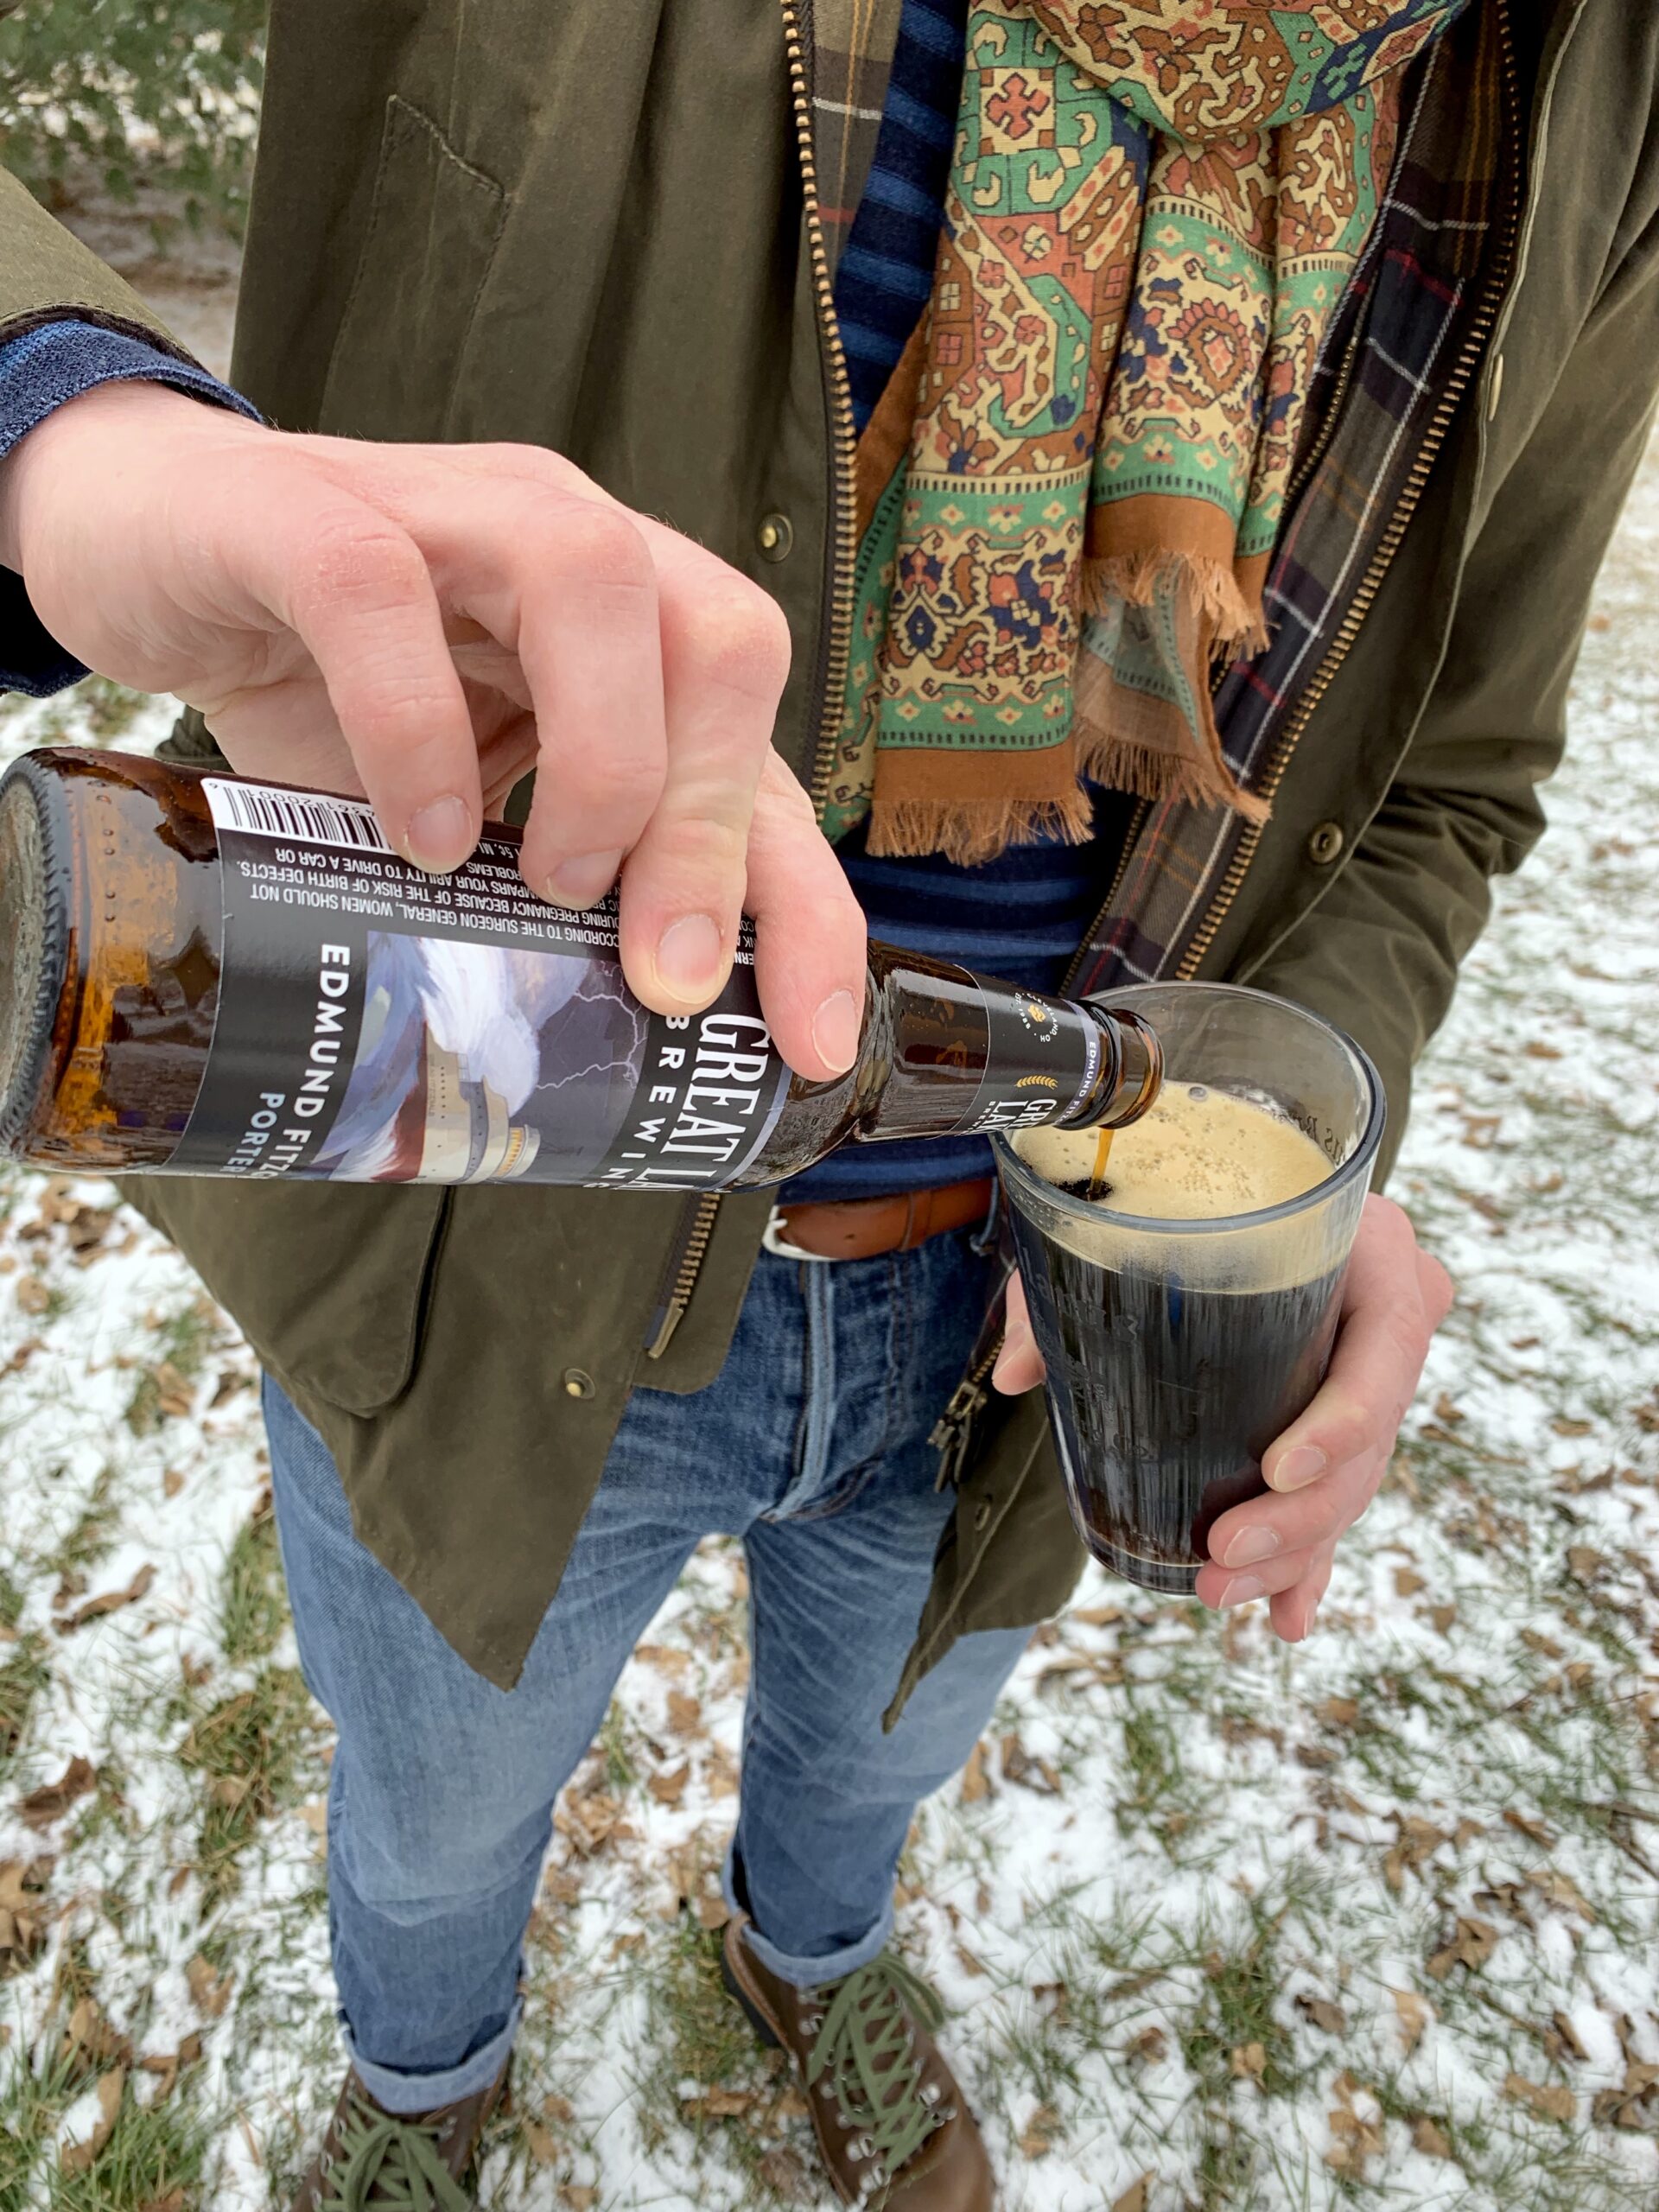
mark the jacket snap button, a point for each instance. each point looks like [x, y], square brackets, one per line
[776, 535]
[1325, 843]
[982, 1517]
[578, 1384]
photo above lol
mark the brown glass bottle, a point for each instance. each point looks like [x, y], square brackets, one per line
[209, 975]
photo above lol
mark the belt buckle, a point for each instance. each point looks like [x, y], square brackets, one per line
[775, 1240]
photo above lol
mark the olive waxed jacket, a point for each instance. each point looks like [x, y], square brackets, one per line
[592, 227]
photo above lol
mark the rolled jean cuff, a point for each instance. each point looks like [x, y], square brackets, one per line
[408, 2093]
[802, 1973]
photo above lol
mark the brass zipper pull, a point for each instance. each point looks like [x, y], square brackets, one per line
[953, 1436]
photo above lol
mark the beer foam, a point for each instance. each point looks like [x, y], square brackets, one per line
[1199, 1153]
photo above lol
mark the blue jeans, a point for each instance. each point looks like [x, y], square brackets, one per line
[812, 1446]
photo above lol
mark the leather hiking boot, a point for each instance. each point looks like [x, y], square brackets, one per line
[417, 2162]
[894, 2128]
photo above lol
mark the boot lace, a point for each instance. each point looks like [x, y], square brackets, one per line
[866, 2048]
[375, 2159]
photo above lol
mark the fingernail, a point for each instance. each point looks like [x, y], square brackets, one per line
[440, 836]
[1249, 1545]
[1299, 1468]
[688, 958]
[1240, 1591]
[583, 879]
[834, 1031]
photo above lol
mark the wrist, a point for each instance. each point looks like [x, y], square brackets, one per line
[103, 427]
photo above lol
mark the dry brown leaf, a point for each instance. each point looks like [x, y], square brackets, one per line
[1567, 2036]
[1443, 1618]
[81, 2158]
[1134, 2198]
[1412, 2013]
[1535, 1640]
[209, 1992]
[1430, 2137]
[669, 1789]
[713, 1912]
[1472, 1943]
[580, 2196]
[108, 1601]
[717, 2104]
[1250, 2061]
[41, 1807]
[684, 1714]
[1019, 1766]
[1324, 2014]
[542, 2148]
[721, 1780]
[1148, 2047]
[32, 1295]
[664, 1657]
[970, 1961]
[784, 2171]
[1584, 1563]
[1561, 1891]
[1037, 2137]
[174, 2201]
[172, 1483]
[1534, 1831]
[89, 2041]
[1340, 1712]
[975, 1781]
[1408, 1582]
[1550, 2102]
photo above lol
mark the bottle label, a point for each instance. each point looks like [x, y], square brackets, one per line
[1042, 1060]
[378, 1025]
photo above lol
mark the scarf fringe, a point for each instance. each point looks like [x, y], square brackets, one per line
[974, 831]
[1149, 772]
[1229, 621]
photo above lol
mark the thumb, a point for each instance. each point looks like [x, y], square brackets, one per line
[1019, 1364]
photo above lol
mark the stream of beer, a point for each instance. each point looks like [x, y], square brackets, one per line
[1102, 1153]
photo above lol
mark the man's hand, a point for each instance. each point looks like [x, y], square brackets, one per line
[424, 624]
[1325, 1470]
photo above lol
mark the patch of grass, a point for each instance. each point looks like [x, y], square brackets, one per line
[23, 1677]
[700, 2038]
[248, 1751]
[93, 1535]
[182, 1343]
[253, 1607]
[157, 2153]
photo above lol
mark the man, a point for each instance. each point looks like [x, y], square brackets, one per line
[1327, 335]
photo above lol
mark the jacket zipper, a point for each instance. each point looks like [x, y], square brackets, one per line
[952, 1435]
[698, 1224]
[837, 644]
[1487, 316]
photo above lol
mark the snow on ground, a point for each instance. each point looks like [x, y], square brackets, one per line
[1221, 1925]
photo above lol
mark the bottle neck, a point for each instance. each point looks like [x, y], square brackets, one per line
[948, 1053]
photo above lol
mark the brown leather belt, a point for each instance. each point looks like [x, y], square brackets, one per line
[863, 1228]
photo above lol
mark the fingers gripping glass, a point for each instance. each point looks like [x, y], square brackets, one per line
[1177, 1350]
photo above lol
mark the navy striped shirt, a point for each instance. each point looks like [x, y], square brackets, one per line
[1021, 917]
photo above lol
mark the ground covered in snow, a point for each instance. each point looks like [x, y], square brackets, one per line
[1223, 1928]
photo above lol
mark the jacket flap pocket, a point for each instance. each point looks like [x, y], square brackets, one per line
[432, 232]
[330, 1281]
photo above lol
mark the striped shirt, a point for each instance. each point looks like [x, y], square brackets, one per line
[1023, 916]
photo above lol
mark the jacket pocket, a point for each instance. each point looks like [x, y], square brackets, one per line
[330, 1282]
[433, 228]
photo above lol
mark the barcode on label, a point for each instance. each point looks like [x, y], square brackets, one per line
[269, 813]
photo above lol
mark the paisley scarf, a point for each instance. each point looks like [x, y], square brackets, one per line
[1071, 491]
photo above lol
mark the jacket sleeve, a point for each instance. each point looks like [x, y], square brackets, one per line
[1464, 806]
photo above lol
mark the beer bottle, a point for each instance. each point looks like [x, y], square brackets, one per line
[214, 976]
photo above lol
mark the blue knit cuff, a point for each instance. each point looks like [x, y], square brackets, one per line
[38, 371]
